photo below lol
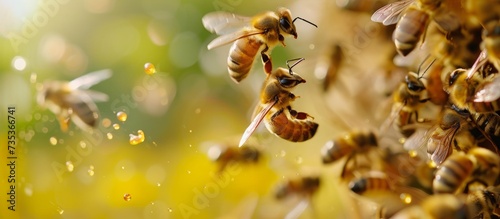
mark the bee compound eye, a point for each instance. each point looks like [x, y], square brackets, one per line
[285, 82]
[284, 23]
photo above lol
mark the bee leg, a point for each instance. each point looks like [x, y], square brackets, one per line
[344, 168]
[63, 123]
[266, 60]
[282, 40]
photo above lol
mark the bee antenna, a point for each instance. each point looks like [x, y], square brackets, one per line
[298, 60]
[420, 66]
[311, 23]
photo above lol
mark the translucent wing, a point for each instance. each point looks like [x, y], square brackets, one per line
[90, 79]
[396, 109]
[256, 121]
[447, 21]
[231, 37]
[419, 139]
[221, 22]
[390, 13]
[83, 110]
[478, 63]
[490, 92]
[443, 143]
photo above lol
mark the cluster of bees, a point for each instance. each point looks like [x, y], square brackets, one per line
[444, 160]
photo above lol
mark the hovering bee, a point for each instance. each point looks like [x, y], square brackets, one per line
[441, 138]
[328, 69]
[250, 35]
[412, 18]
[224, 154]
[274, 108]
[73, 101]
[349, 145]
[302, 187]
[475, 94]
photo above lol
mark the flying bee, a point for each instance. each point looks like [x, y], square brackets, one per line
[302, 187]
[412, 18]
[327, 69]
[475, 94]
[225, 154]
[250, 35]
[73, 101]
[355, 142]
[275, 110]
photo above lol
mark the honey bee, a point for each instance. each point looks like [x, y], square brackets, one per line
[478, 165]
[224, 154]
[275, 110]
[250, 35]
[328, 69]
[408, 99]
[489, 122]
[439, 206]
[475, 94]
[369, 183]
[73, 101]
[368, 6]
[355, 142]
[303, 186]
[441, 138]
[486, 13]
[412, 18]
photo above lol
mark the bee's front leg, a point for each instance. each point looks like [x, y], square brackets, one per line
[266, 60]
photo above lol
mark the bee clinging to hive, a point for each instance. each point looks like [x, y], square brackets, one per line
[275, 110]
[72, 100]
[250, 35]
[412, 18]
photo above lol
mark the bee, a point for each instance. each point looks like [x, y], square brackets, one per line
[275, 110]
[486, 13]
[304, 186]
[439, 206]
[250, 35]
[478, 165]
[475, 94]
[412, 18]
[225, 154]
[483, 202]
[73, 101]
[441, 138]
[368, 6]
[328, 69]
[355, 142]
[372, 182]
[408, 99]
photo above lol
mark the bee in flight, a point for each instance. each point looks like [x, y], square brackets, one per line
[412, 18]
[73, 101]
[225, 154]
[250, 35]
[274, 108]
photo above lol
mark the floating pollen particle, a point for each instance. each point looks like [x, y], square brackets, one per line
[122, 116]
[53, 140]
[137, 139]
[149, 68]
[70, 166]
[127, 197]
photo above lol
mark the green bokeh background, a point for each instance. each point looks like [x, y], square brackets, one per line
[201, 104]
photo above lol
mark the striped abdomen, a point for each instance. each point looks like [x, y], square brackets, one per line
[241, 57]
[489, 122]
[452, 174]
[298, 128]
[409, 30]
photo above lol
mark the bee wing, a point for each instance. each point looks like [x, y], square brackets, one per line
[444, 145]
[419, 139]
[490, 92]
[96, 96]
[231, 37]
[298, 209]
[84, 110]
[90, 79]
[447, 21]
[256, 121]
[221, 22]
[390, 13]
[391, 118]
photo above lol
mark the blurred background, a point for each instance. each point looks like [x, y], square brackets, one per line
[186, 105]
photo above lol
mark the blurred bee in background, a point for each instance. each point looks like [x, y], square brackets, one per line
[327, 70]
[367, 6]
[224, 154]
[73, 101]
[349, 145]
[275, 110]
[487, 13]
[412, 18]
[250, 35]
[303, 187]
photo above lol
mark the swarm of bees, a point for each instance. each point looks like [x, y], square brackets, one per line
[443, 123]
